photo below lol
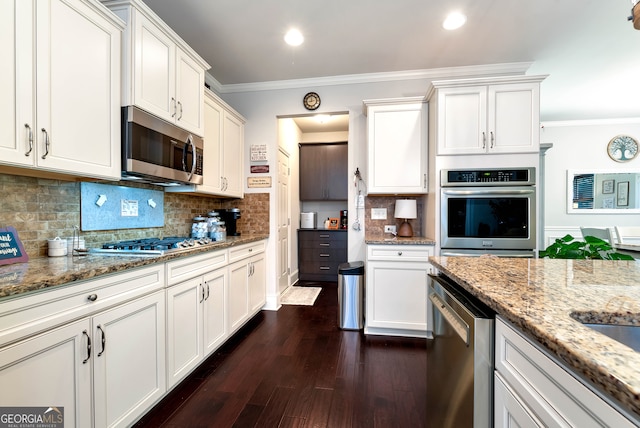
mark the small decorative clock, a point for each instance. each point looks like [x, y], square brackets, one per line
[622, 148]
[311, 101]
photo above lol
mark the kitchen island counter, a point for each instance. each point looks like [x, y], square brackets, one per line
[539, 296]
[42, 273]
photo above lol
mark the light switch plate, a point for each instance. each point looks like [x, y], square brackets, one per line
[378, 213]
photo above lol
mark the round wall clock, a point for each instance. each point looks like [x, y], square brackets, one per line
[622, 148]
[311, 101]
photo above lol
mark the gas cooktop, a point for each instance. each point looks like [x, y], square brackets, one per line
[150, 246]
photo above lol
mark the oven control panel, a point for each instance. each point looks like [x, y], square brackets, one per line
[488, 177]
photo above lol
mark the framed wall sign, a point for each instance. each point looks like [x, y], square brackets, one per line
[607, 186]
[334, 223]
[623, 194]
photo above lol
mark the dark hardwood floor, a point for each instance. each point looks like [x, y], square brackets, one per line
[296, 368]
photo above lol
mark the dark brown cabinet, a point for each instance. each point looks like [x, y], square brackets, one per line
[323, 172]
[319, 254]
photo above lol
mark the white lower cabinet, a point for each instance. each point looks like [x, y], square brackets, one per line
[247, 283]
[396, 289]
[48, 370]
[533, 390]
[195, 322]
[121, 348]
[129, 360]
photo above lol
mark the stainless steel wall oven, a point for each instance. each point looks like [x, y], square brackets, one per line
[488, 211]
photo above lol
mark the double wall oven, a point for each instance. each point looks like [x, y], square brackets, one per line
[488, 211]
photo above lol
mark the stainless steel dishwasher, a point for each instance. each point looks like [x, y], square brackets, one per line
[459, 358]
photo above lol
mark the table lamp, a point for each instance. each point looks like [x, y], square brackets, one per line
[405, 209]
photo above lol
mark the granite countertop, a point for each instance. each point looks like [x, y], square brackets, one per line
[388, 239]
[45, 272]
[540, 296]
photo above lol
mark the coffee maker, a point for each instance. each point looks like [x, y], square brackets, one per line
[230, 217]
[343, 219]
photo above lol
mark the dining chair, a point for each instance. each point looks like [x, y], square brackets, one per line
[603, 233]
[628, 234]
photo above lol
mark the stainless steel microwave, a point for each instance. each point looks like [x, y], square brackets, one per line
[155, 151]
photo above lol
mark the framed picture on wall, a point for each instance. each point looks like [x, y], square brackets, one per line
[607, 186]
[608, 202]
[623, 194]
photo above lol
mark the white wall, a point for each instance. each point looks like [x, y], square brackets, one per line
[582, 145]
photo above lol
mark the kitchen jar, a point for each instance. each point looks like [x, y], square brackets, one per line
[57, 247]
[221, 232]
[199, 227]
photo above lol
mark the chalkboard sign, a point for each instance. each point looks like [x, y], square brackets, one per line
[11, 249]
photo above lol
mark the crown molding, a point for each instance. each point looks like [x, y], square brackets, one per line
[590, 122]
[515, 68]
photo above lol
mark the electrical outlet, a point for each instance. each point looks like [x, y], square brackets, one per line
[390, 228]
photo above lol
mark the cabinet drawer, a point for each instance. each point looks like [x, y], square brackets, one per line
[189, 267]
[326, 244]
[243, 251]
[408, 253]
[539, 381]
[24, 316]
[328, 254]
[322, 235]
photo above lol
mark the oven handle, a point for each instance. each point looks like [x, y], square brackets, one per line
[454, 192]
[450, 315]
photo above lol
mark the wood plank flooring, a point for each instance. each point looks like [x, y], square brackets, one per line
[296, 368]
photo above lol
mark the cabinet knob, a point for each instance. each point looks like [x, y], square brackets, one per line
[92, 297]
[399, 253]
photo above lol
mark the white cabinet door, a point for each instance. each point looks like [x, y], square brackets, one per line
[396, 296]
[514, 118]
[17, 111]
[184, 328]
[257, 283]
[129, 361]
[214, 310]
[238, 302]
[153, 69]
[213, 155]
[462, 120]
[233, 149]
[508, 410]
[396, 147]
[74, 126]
[189, 93]
[52, 369]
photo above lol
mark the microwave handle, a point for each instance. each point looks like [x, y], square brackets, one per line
[185, 151]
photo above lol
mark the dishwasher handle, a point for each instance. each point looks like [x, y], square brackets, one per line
[449, 314]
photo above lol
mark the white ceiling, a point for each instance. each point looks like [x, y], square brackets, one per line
[588, 48]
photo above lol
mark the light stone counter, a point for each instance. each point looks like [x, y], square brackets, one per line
[44, 272]
[539, 296]
[388, 239]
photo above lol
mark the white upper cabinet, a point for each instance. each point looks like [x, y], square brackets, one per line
[62, 83]
[396, 145]
[223, 152]
[486, 115]
[161, 73]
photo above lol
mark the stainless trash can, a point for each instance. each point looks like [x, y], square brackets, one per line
[351, 295]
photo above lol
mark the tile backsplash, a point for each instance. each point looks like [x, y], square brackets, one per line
[42, 209]
[376, 227]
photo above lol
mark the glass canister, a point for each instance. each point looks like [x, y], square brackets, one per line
[213, 218]
[199, 227]
[221, 234]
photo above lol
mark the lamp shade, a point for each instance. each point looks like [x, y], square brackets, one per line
[405, 208]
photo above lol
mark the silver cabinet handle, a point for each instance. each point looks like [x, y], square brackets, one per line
[103, 340]
[484, 140]
[202, 298]
[88, 347]
[492, 139]
[325, 255]
[180, 104]
[325, 244]
[92, 297]
[324, 235]
[26, 125]
[207, 298]
[324, 268]
[173, 101]
[46, 143]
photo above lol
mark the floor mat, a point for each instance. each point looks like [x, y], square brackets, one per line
[300, 296]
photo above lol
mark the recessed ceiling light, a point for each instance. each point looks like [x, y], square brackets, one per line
[294, 37]
[454, 20]
[322, 118]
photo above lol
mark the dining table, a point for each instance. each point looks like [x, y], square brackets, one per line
[631, 249]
